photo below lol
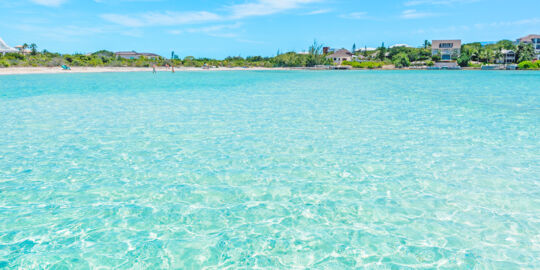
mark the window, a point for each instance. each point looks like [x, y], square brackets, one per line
[446, 45]
[446, 57]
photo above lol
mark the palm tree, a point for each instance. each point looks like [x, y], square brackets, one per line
[498, 54]
[525, 52]
[33, 47]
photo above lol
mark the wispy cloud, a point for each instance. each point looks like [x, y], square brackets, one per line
[265, 7]
[319, 11]
[49, 3]
[503, 26]
[532, 21]
[162, 19]
[213, 30]
[438, 2]
[415, 14]
[233, 12]
[355, 15]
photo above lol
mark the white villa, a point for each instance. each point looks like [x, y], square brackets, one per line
[340, 56]
[509, 56]
[534, 40]
[4, 48]
[448, 49]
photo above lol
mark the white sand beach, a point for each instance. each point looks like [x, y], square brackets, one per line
[52, 70]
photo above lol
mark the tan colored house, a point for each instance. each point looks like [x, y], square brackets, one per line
[22, 50]
[448, 49]
[340, 56]
[534, 40]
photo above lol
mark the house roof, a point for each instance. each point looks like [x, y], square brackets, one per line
[4, 48]
[456, 43]
[528, 38]
[148, 54]
[134, 53]
[507, 51]
[341, 53]
[126, 53]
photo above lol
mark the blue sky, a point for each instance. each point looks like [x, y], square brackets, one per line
[219, 28]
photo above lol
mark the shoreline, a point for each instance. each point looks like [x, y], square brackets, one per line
[58, 70]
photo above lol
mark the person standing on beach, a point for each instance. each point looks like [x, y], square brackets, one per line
[172, 68]
[154, 68]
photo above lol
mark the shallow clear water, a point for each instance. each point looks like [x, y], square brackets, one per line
[272, 169]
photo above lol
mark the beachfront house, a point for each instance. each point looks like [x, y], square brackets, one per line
[135, 55]
[340, 56]
[447, 49]
[4, 48]
[534, 40]
[508, 57]
[22, 50]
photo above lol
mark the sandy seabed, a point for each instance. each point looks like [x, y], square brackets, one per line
[51, 70]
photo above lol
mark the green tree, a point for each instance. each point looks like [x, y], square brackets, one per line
[525, 52]
[506, 44]
[354, 48]
[463, 60]
[401, 60]
[315, 56]
[33, 48]
[499, 55]
[381, 54]
[426, 44]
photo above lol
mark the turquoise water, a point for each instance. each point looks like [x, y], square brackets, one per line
[270, 169]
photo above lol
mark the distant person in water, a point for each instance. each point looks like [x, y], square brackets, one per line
[172, 68]
[154, 68]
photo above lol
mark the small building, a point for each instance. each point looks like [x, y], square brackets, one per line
[534, 40]
[340, 56]
[4, 48]
[509, 56]
[22, 50]
[448, 49]
[135, 55]
[327, 50]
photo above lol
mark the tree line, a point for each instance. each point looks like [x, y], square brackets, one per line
[472, 55]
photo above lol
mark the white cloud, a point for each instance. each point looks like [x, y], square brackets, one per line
[265, 7]
[319, 11]
[214, 28]
[49, 3]
[414, 14]
[355, 15]
[237, 11]
[162, 19]
[438, 2]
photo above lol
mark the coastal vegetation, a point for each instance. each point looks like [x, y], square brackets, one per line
[472, 55]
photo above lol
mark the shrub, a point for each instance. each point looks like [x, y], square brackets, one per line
[4, 63]
[526, 65]
[430, 63]
[401, 60]
[463, 60]
[368, 65]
